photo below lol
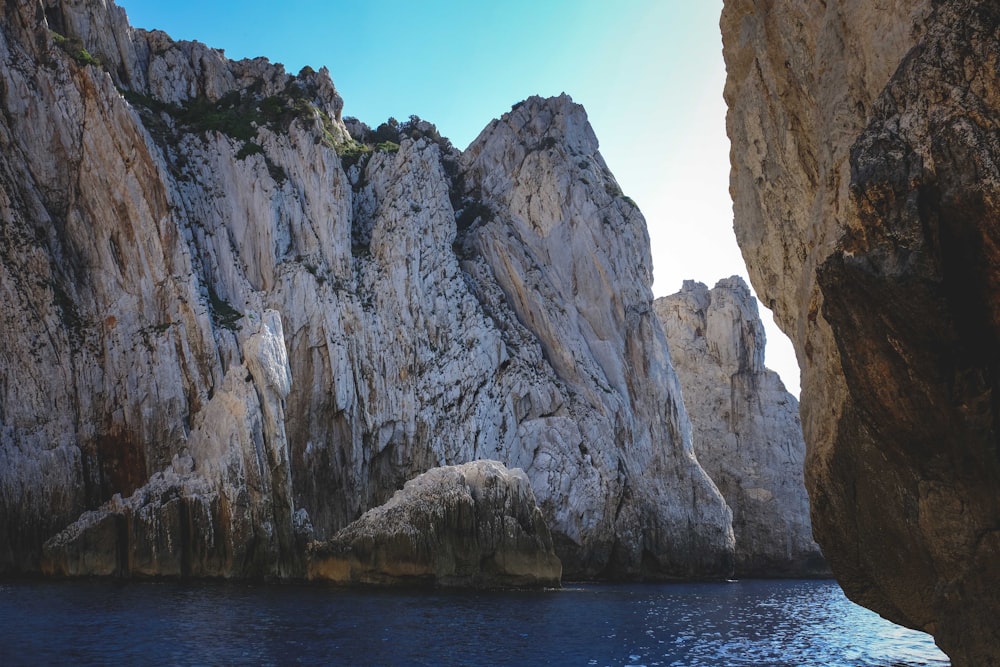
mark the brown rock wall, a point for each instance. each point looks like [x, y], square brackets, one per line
[891, 292]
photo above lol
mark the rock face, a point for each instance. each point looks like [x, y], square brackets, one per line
[233, 327]
[865, 187]
[475, 524]
[746, 428]
[571, 262]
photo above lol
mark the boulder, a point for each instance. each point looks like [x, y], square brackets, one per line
[472, 525]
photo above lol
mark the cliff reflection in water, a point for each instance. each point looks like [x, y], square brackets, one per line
[740, 624]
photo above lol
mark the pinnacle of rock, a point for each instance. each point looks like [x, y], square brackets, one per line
[746, 430]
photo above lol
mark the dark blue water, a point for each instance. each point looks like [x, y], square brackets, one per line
[747, 623]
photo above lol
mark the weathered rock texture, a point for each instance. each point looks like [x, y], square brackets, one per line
[746, 428]
[230, 328]
[865, 181]
[476, 524]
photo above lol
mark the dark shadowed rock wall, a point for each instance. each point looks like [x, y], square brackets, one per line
[865, 181]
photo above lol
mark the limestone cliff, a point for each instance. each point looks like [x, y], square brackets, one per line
[746, 428]
[232, 326]
[475, 524]
[865, 186]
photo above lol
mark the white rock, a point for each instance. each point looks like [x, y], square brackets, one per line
[746, 428]
[313, 340]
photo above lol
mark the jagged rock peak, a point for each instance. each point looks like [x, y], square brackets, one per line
[746, 429]
[552, 129]
[150, 63]
[537, 119]
[740, 349]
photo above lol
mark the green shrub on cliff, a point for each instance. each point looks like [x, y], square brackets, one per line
[74, 47]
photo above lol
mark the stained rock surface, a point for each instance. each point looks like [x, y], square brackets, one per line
[235, 323]
[746, 430]
[475, 524]
[865, 182]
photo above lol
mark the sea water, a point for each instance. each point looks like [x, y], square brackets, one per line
[759, 623]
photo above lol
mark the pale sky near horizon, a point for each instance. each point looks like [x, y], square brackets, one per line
[649, 73]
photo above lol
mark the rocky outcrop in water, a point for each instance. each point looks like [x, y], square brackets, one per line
[233, 325]
[746, 428]
[476, 524]
[865, 187]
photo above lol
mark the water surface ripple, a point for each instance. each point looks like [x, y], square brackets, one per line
[751, 623]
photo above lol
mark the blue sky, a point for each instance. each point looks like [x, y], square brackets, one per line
[649, 72]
